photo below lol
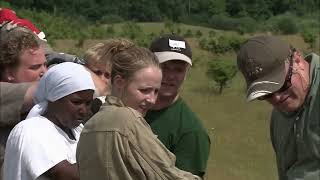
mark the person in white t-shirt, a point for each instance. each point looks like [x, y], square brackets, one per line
[44, 145]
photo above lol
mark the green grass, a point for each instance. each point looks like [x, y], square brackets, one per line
[239, 131]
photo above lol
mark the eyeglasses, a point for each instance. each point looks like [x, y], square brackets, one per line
[287, 83]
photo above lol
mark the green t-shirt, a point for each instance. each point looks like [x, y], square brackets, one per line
[296, 136]
[180, 130]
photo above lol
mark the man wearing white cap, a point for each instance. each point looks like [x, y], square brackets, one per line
[177, 127]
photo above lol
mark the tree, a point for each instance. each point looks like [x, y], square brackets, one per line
[221, 71]
[235, 8]
[309, 37]
[217, 7]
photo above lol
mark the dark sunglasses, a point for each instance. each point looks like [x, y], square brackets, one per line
[287, 83]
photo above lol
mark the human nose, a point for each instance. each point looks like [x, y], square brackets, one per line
[275, 97]
[152, 98]
[84, 109]
[104, 79]
[170, 76]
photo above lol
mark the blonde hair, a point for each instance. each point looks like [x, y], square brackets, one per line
[128, 60]
[101, 52]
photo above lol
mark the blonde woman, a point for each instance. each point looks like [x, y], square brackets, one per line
[117, 143]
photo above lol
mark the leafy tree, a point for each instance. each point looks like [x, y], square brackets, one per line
[222, 14]
[259, 9]
[217, 7]
[309, 37]
[235, 8]
[221, 71]
[149, 8]
[287, 25]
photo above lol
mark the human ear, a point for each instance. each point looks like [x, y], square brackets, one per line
[8, 75]
[119, 82]
[299, 62]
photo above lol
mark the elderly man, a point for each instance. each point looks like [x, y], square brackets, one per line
[279, 74]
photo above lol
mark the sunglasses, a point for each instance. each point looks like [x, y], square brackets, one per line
[287, 83]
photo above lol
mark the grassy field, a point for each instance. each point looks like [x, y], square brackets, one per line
[239, 131]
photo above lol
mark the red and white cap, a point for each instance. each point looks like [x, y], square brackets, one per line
[7, 16]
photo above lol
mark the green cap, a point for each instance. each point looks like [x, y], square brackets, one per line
[262, 62]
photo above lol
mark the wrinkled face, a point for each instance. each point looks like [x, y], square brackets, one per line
[31, 67]
[174, 73]
[292, 98]
[140, 92]
[73, 109]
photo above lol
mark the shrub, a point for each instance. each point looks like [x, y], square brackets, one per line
[309, 37]
[55, 27]
[221, 71]
[194, 19]
[203, 43]
[287, 25]
[110, 30]
[131, 30]
[5, 4]
[198, 34]
[97, 32]
[212, 34]
[222, 44]
[169, 26]
[111, 19]
[188, 34]
[242, 25]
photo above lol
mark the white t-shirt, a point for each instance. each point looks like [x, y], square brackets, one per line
[34, 146]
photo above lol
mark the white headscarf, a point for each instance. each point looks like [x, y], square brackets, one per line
[59, 81]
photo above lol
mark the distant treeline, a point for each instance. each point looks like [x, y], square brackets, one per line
[186, 11]
[87, 19]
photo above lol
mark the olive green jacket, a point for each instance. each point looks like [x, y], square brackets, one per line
[118, 144]
[296, 136]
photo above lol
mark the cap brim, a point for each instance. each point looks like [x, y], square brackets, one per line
[266, 85]
[168, 55]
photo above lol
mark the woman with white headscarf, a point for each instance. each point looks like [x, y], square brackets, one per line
[44, 145]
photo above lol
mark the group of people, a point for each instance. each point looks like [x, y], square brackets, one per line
[117, 113]
[100, 117]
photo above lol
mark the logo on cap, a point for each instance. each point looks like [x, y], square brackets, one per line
[252, 68]
[177, 45]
